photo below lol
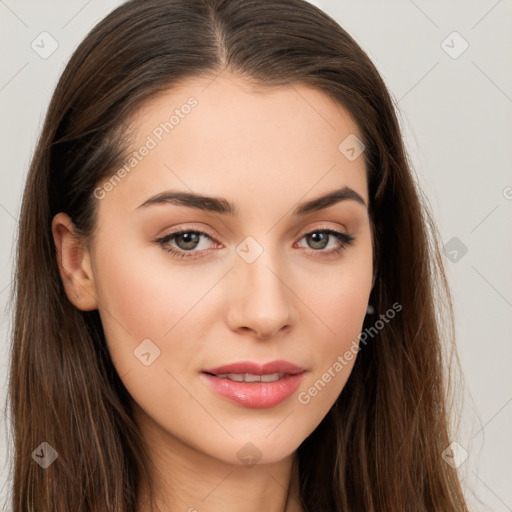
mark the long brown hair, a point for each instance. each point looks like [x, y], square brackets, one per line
[379, 447]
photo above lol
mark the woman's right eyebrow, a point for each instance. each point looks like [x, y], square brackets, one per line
[225, 207]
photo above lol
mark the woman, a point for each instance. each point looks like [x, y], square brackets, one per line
[228, 286]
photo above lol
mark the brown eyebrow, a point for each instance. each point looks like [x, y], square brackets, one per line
[223, 206]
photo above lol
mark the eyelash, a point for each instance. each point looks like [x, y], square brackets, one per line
[344, 238]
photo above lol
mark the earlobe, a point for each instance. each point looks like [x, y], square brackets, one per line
[74, 261]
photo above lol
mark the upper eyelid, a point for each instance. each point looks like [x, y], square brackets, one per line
[179, 231]
[202, 232]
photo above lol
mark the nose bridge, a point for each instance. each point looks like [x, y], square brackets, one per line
[261, 300]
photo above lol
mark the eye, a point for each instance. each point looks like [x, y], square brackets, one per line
[319, 240]
[186, 242]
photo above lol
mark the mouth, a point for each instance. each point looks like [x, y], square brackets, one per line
[255, 385]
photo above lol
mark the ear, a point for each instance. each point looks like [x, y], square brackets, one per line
[74, 260]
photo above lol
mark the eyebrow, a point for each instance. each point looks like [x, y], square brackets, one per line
[225, 207]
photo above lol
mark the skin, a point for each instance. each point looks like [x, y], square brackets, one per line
[265, 150]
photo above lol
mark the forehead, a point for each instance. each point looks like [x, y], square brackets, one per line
[224, 136]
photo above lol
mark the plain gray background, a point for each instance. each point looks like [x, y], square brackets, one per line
[455, 108]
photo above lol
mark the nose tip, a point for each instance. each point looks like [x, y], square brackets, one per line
[261, 301]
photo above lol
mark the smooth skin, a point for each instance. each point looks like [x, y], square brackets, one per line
[266, 151]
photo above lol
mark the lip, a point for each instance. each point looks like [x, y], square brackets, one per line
[256, 395]
[257, 368]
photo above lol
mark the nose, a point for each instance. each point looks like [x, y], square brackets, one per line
[261, 300]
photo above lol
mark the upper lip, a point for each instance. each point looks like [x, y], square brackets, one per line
[257, 368]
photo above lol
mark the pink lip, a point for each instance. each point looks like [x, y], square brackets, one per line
[257, 395]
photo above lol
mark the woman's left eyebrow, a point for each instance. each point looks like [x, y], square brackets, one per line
[225, 207]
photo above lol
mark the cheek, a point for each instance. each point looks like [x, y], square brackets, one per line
[344, 305]
[338, 298]
[334, 355]
[141, 299]
[339, 304]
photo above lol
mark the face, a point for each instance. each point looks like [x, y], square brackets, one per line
[259, 274]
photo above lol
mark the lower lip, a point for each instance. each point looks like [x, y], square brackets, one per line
[257, 395]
